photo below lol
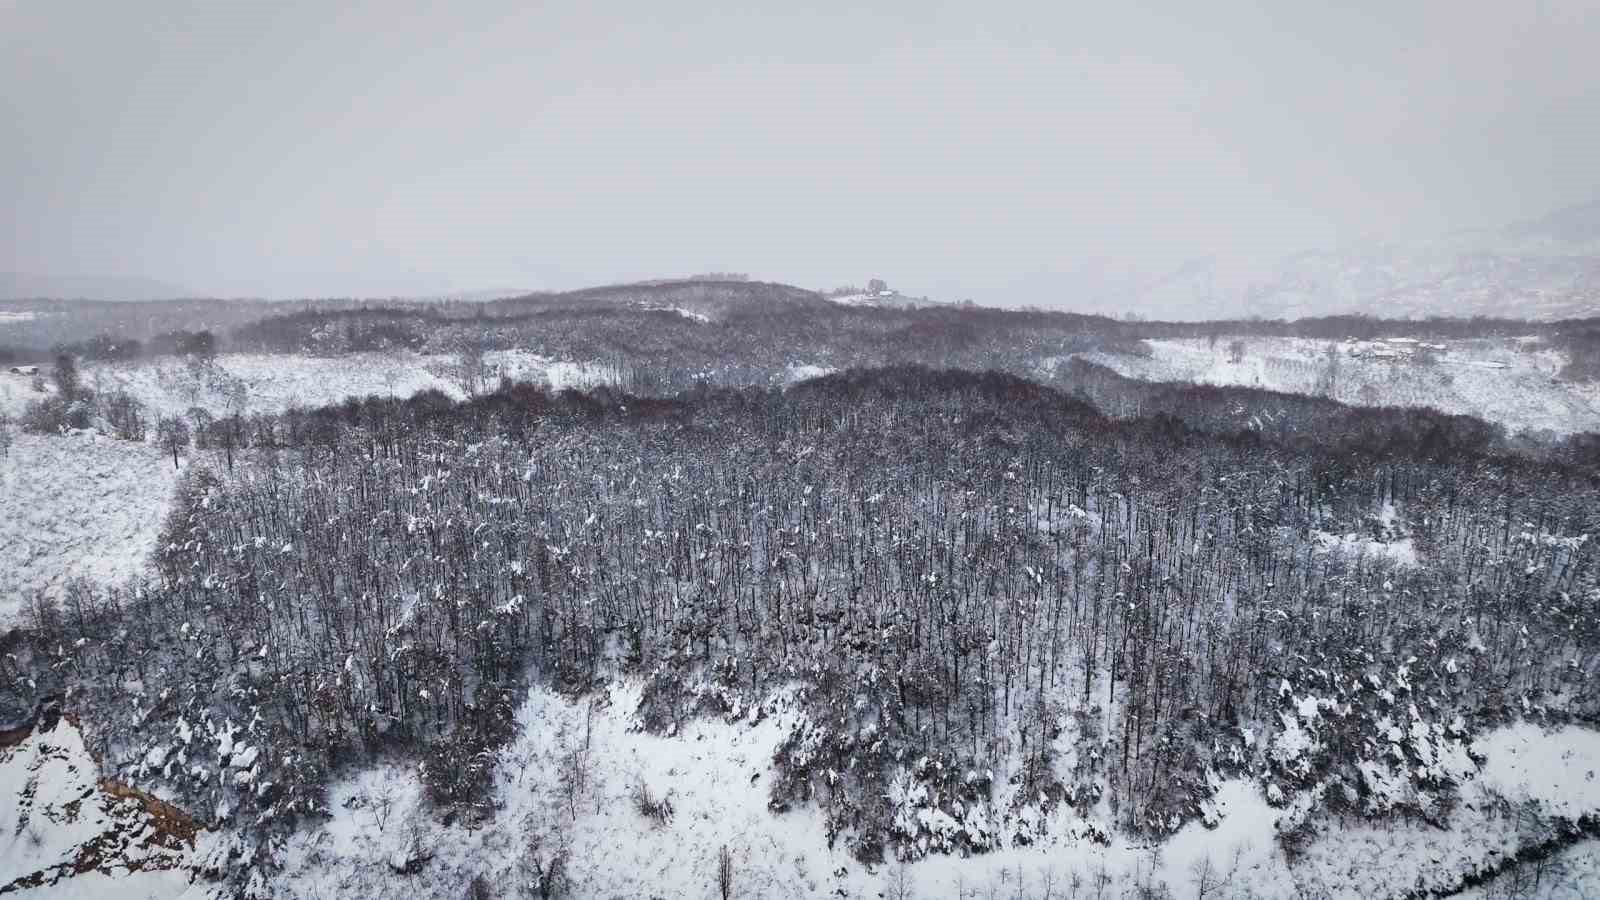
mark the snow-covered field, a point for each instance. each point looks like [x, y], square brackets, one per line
[77, 506]
[16, 392]
[256, 382]
[1506, 381]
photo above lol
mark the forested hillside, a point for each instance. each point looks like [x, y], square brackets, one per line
[998, 609]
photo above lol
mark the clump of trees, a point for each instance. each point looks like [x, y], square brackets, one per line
[72, 405]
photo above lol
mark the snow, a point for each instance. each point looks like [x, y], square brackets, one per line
[1499, 380]
[557, 375]
[57, 817]
[271, 382]
[1557, 768]
[854, 299]
[804, 372]
[1400, 552]
[167, 884]
[257, 382]
[715, 774]
[690, 314]
[16, 392]
[1572, 874]
[77, 506]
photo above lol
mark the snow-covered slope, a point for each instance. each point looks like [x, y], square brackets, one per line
[77, 506]
[257, 382]
[66, 833]
[568, 787]
[715, 776]
[1513, 383]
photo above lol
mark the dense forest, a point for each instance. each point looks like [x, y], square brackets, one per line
[950, 568]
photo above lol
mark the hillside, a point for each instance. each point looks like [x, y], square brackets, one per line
[404, 645]
[470, 597]
[83, 506]
[1512, 382]
[702, 301]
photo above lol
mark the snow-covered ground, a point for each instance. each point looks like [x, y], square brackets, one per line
[77, 506]
[716, 777]
[854, 299]
[566, 787]
[17, 391]
[62, 835]
[690, 314]
[557, 375]
[1395, 547]
[1506, 381]
[258, 382]
[805, 372]
[1571, 874]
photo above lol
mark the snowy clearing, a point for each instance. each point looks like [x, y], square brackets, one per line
[257, 382]
[1510, 382]
[77, 506]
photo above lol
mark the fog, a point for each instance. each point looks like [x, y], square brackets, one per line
[1004, 152]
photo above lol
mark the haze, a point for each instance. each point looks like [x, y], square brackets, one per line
[1009, 153]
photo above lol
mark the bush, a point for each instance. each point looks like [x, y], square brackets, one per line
[657, 810]
[125, 416]
[55, 415]
[457, 770]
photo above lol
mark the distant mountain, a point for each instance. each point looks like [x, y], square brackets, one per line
[33, 286]
[1542, 269]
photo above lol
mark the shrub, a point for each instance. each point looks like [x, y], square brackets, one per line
[457, 769]
[657, 810]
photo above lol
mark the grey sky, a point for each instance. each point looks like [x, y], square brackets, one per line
[964, 150]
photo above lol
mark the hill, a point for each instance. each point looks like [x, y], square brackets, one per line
[698, 299]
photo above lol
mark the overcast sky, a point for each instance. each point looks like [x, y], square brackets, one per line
[288, 149]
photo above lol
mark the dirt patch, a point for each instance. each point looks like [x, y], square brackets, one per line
[168, 820]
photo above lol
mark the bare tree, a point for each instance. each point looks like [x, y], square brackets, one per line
[173, 434]
[1328, 377]
[471, 371]
[548, 868]
[899, 885]
[65, 375]
[1205, 878]
[576, 769]
[725, 873]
